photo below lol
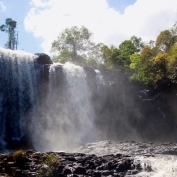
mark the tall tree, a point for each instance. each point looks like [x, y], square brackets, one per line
[73, 44]
[9, 27]
[164, 41]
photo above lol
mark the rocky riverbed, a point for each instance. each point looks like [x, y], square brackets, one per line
[155, 159]
[60, 164]
[98, 159]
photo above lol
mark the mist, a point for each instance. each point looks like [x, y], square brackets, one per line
[60, 107]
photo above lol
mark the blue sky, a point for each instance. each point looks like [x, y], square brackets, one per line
[111, 21]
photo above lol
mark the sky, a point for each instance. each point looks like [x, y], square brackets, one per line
[39, 22]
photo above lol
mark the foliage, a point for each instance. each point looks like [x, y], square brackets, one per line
[50, 165]
[164, 41]
[144, 62]
[156, 60]
[9, 27]
[140, 71]
[72, 44]
[18, 156]
[160, 65]
[115, 58]
[127, 48]
[108, 56]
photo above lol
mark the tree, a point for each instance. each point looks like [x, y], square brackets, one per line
[109, 56]
[160, 66]
[164, 41]
[141, 69]
[127, 48]
[73, 44]
[9, 27]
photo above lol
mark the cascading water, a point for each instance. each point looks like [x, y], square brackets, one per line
[58, 109]
[54, 110]
[17, 93]
[69, 119]
[152, 160]
[100, 81]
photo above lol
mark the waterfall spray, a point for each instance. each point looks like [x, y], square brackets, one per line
[17, 93]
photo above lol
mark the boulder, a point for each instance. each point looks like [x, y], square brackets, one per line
[43, 58]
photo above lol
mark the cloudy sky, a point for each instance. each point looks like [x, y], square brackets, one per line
[111, 21]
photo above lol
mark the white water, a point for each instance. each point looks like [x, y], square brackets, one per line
[149, 155]
[18, 81]
[69, 118]
[161, 165]
[69, 115]
[100, 81]
[79, 104]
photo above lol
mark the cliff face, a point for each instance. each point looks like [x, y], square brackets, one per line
[41, 102]
[140, 112]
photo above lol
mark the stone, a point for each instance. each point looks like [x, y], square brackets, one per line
[80, 170]
[43, 58]
[67, 171]
[68, 167]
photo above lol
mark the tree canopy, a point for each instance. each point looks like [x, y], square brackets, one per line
[140, 61]
[73, 44]
[9, 27]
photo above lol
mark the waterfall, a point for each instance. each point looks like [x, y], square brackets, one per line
[81, 111]
[69, 118]
[100, 81]
[17, 93]
[50, 104]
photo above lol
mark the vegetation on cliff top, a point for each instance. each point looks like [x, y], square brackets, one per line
[144, 62]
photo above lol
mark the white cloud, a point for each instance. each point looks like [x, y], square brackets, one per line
[2, 7]
[145, 18]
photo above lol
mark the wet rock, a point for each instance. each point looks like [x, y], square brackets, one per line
[80, 171]
[43, 58]
[67, 171]
[97, 174]
[69, 165]
[107, 173]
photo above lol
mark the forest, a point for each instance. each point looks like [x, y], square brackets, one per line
[145, 62]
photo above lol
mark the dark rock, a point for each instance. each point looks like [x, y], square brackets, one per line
[60, 168]
[134, 172]
[33, 162]
[73, 175]
[117, 175]
[121, 168]
[90, 72]
[107, 173]
[102, 167]
[71, 158]
[163, 85]
[23, 143]
[97, 174]
[43, 58]
[67, 171]
[80, 170]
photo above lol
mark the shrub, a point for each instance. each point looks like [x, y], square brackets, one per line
[18, 156]
[49, 166]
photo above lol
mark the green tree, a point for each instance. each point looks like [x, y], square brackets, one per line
[160, 70]
[109, 56]
[164, 41]
[72, 45]
[141, 69]
[9, 27]
[127, 48]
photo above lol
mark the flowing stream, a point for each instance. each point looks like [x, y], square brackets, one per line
[157, 160]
